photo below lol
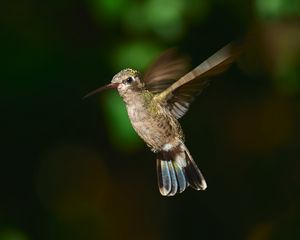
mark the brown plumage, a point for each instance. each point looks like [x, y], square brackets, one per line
[157, 100]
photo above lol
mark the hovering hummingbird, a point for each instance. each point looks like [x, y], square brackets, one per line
[157, 100]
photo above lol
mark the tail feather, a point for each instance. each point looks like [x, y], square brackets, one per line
[193, 173]
[180, 177]
[176, 170]
[173, 179]
[164, 179]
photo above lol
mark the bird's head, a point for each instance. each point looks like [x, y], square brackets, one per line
[126, 81]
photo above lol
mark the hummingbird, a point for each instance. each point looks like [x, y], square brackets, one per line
[156, 100]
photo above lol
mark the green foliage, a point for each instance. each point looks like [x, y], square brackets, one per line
[136, 55]
[12, 234]
[274, 9]
[109, 9]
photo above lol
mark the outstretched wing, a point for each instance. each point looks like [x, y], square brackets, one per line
[167, 69]
[181, 93]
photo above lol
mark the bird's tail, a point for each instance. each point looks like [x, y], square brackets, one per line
[176, 170]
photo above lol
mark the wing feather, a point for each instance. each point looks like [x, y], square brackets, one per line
[167, 69]
[181, 93]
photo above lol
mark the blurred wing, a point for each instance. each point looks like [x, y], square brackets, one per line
[181, 93]
[167, 69]
[181, 98]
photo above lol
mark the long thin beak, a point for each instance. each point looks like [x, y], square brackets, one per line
[108, 86]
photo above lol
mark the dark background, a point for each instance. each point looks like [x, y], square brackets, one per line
[73, 169]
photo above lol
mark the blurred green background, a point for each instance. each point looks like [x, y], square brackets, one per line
[73, 169]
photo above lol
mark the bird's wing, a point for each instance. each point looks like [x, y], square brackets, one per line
[181, 93]
[167, 69]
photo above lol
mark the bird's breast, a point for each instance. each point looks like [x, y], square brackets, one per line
[155, 126]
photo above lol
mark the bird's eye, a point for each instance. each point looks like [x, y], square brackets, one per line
[129, 80]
